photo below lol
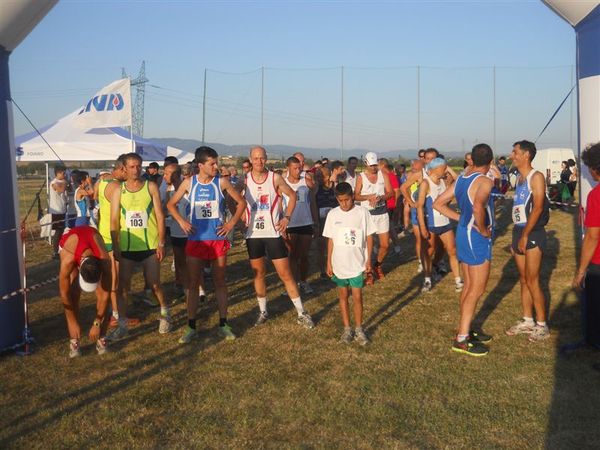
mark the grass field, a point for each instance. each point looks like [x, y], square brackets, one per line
[281, 386]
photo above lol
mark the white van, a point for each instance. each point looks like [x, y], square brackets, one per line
[548, 161]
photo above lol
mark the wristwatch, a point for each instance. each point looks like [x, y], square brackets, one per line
[97, 323]
[288, 218]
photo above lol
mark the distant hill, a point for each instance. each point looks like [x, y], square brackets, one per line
[284, 151]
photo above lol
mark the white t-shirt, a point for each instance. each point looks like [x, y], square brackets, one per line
[349, 231]
[57, 202]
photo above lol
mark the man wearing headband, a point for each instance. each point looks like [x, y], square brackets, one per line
[84, 265]
[434, 226]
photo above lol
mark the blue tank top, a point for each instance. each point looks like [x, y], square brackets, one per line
[206, 209]
[82, 207]
[523, 204]
[461, 192]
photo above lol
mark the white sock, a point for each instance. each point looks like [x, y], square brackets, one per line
[457, 280]
[298, 305]
[528, 320]
[427, 279]
[262, 304]
[164, 311]
[541, 324]
[115, 314]
[201, 291]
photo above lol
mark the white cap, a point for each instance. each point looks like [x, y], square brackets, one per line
[370, 158]
[85, 286]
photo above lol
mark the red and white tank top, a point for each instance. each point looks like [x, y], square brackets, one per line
[262, 212]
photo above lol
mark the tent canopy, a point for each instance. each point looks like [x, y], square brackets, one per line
[72, 143]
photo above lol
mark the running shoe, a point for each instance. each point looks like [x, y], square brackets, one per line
[189, 335]
[379, 272]
[305, 320]
[149, 299]
[262, 318]
[131, 322]
[479, 336]
[420, 267]
[117, 333]
[164, 324]
[539, 333]
[227, 333]
[435, 275]
[360, 336]
[305, 287]
[347, 336]
[369, 279]
[324, 276]
[521, 327]
[74, 349]
[101, 346]
[426, 286]
[458, 286]
[469, 347]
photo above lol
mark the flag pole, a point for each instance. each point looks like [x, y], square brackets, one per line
[131, 117]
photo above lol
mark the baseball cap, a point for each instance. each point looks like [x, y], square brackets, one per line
[86, 286]
[370, 158]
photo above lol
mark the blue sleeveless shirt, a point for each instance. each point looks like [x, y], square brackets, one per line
[206, 209]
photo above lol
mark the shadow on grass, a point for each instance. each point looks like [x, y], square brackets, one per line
[574, 414]
[393, 306]
[510, 277]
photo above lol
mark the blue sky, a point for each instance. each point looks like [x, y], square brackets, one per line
[81, 46]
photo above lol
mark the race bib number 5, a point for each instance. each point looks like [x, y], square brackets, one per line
[518, 215]
[136, 219]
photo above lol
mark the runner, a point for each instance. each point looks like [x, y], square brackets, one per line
[207, 231]
[349, 229]
[57, 206]
[530, 213]
[103, 190]
[351, 171]
[326, 201]
[474, 243]
[137, 228]
[83, 192]
[263, 190]
[373, 189]
[300, 230]
[434, 225]
[392, 203]
[503, 169]
[413, 194]
[84, 265]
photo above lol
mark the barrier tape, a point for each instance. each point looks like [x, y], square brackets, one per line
[30, 288]
[552, 202]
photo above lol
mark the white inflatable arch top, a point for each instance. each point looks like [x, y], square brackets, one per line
[584, 17]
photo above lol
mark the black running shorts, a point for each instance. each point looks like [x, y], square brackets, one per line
[274, 248]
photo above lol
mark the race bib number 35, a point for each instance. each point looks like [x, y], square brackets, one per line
[136, 219]
[207, 209]
[518, 215]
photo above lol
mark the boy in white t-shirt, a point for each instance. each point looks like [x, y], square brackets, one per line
[349, 229]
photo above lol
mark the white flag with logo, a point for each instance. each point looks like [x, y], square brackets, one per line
[109, 107]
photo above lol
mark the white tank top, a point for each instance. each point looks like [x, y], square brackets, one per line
[262, 212]
[301, 216]
[435, 218]
[351, 180]
[377, 188]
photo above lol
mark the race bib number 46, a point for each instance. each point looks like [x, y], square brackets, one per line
[518, 215]
[262, 223]
[136, 219]
[206, 209]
